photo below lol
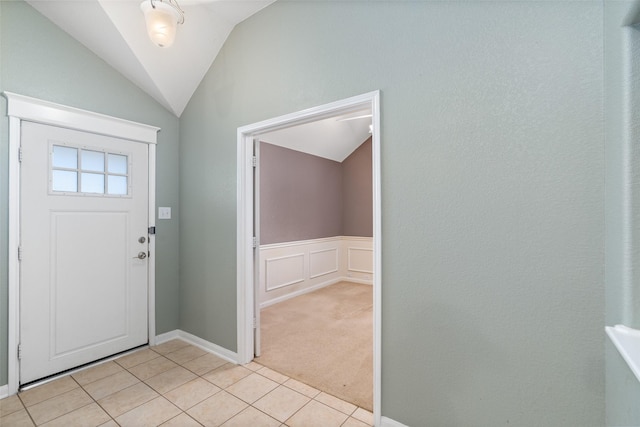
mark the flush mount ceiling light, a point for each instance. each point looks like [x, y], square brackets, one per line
[162, 17]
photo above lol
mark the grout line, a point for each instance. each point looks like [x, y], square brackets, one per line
[198, 376]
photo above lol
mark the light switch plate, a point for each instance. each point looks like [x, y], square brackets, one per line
[164, 213]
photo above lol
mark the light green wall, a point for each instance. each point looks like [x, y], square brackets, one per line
[42, 61]
[493, 172]
[622, 96]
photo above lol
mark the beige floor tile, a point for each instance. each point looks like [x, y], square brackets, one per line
[169, 346]
[185, 354]
[109, 385]
[125, 400]
[363, 415]
[252, 387]
[335, 403]
[227, 374]
[152, 413]
[251, 417]
[136, 358]
[47, 391]
[204, 364]
[17, 419]
[253, 366]
[153, 367]
[191, 393]
[91, 415]
[182, 420]
[60, 405]
[282, 403]
[170, 379]
[96, 373]
[10, 404]
[315, 414]
[109, 423]
[217, 409]
[302, 388]
[352, 422]
[273, 375]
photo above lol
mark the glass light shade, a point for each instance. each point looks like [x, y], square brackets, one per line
[162, 21]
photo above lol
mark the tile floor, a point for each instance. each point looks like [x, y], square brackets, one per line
[177, 384]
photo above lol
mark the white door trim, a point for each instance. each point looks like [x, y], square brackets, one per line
[21, 108]
[245, 267]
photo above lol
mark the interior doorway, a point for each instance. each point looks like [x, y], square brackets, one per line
[248, 310]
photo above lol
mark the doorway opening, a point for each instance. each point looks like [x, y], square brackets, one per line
[248, 307]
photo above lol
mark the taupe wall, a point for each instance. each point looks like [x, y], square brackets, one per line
[357, 192]
[306, 197]
[300, 195]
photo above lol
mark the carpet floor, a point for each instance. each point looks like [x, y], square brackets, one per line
[324, 339]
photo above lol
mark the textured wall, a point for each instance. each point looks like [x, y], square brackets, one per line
[40, 60]
[357, 192]
[492, 193]
[300, 196]
[622, 126]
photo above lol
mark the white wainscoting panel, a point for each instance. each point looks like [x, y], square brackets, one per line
[284, 271]
[358, 258]
[323, 262]
[290, 269]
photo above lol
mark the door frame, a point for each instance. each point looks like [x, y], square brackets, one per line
[22, 108]
[245, 231]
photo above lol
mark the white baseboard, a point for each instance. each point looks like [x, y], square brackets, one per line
[388, 422]
[357, 280]
[167, 336]
[299, 292]
[314, 288]
[4, 391]
[210, 347]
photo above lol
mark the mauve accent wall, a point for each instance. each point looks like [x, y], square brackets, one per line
[300, 196]
[357, 192]
[305, 197]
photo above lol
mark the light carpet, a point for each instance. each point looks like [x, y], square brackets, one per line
[324, 339]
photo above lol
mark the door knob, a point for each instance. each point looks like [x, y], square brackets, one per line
[142, 239]
[141, 255]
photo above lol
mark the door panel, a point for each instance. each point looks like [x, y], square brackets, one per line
[83, 288]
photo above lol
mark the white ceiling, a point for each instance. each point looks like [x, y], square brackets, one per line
[333, 138]
[115, 31]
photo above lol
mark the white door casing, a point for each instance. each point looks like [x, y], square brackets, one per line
[257, 336]
[246, 268]
[83, 249]
[22, 109]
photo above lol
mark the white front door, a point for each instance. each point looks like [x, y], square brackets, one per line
[84, 246]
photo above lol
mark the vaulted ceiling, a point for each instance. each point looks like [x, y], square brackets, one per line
[115, 31]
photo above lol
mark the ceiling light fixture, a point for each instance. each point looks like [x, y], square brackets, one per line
[162, 17]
